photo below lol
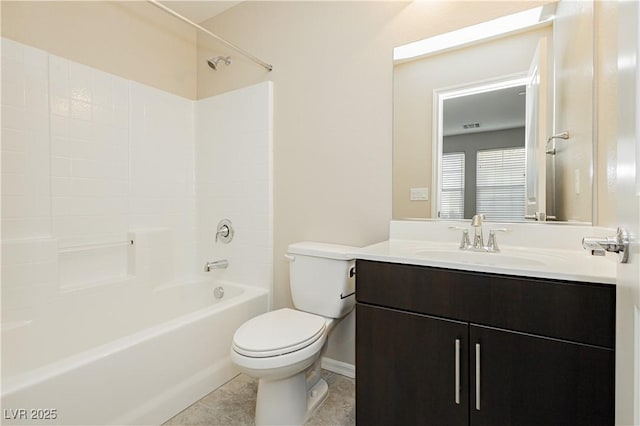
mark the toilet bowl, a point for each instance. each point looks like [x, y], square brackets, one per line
[287, 394]
[283, 348]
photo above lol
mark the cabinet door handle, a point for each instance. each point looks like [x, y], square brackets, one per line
[457, 384]
[478, 376]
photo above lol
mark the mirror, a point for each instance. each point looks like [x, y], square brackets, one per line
[474, 125]
[480, 151]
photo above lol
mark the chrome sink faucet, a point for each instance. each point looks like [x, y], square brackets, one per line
[478, 239]
[476, 223]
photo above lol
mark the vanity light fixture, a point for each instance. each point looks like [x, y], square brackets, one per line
[498, 27]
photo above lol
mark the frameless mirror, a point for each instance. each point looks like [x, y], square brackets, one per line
[501, 127]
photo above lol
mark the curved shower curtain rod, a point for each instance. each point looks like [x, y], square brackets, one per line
[206, 31]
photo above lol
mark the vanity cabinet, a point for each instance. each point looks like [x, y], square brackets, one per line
[404, 365]
[448, 347]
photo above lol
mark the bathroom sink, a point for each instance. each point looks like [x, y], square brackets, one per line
[528, 250]
[514, 260]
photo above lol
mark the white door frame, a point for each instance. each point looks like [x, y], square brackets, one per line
[451, 92]
[628, 211]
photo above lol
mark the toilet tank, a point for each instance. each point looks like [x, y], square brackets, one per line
[322, 278]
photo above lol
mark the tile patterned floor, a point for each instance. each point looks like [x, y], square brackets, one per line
[233, 404]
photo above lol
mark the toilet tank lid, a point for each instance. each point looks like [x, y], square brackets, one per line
[326, 250]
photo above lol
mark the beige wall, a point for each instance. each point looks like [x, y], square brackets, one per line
[413, 85]
[332, 79]
[134, 40]
[606, 13]
[573, 47]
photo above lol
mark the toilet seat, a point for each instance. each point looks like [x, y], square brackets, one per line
[277, 333]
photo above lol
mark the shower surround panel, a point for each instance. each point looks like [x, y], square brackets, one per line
[234, 180]
[91, 162]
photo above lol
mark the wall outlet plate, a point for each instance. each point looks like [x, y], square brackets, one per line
[419, 194]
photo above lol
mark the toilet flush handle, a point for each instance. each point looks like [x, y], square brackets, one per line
[290, 258]
[352, 273]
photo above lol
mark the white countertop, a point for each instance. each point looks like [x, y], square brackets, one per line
[560, 261]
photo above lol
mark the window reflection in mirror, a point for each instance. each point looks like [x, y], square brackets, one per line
[482, 138]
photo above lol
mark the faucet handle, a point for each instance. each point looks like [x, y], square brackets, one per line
[224, 231]
[464, 242]
[499, 230]
[492, 244]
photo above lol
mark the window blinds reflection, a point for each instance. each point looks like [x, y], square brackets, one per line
[452, 193]
[500, 180]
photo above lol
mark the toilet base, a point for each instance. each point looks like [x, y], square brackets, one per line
[316, 396]
[287, 401]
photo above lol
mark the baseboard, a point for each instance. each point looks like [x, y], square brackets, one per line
[339, 367]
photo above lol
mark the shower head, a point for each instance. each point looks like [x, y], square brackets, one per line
[213, 62]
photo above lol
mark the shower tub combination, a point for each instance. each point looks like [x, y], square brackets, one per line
[103, 333]
[123, 353]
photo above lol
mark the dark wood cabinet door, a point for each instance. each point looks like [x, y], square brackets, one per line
[531, 380]
[406, 369]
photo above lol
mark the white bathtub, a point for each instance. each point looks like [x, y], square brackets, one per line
[108, 356]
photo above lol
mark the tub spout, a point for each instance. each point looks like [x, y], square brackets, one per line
[218, 264]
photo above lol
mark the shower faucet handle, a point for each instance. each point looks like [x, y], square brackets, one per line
[224, 232]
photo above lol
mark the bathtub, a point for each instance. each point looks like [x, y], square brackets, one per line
[108, 356]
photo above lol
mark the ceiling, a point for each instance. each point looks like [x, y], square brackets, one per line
[199, 11]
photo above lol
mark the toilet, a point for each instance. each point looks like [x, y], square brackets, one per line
[283, 348]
